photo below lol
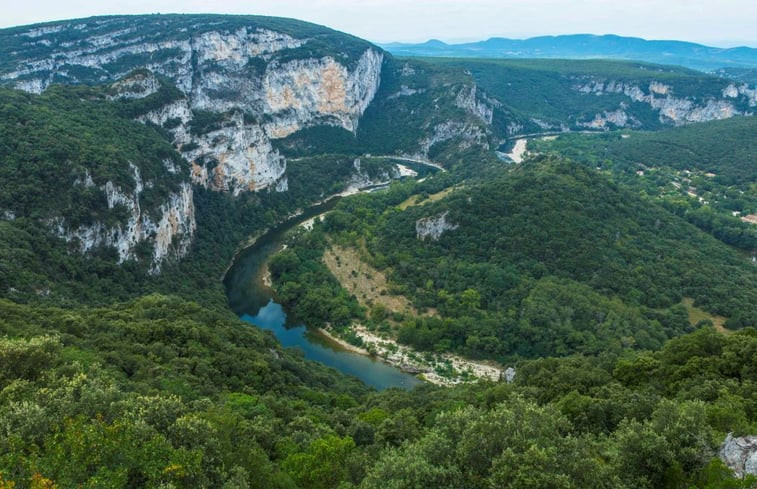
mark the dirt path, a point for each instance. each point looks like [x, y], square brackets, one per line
[413, 199]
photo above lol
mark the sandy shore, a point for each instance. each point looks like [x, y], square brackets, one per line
[440, 369]
[342, 343]
[519, 150]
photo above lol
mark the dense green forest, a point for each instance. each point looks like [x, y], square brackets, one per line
[572, 268]
[463, 90]
[561, 103]
[51, 142]
[703, 172]
[178, 393]
[547, 259]
[59, 149]
[162, 392]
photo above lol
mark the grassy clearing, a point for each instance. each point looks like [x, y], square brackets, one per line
[414, 200]
[361, 279]
[696, 314]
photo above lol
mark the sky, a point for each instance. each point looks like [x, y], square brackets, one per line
[714, 22]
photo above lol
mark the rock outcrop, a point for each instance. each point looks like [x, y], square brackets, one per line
[169, 229]
[268, 84]
[242, 83]
[467, 99]
[740, 454]
[732, 91]
[661, 98]
[616, 118]
[468, 135]
[433, 227]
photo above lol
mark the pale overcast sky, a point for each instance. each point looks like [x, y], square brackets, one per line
[715, 22]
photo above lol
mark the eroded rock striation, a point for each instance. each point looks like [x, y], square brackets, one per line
[267, 83]
[740, 454]
[672, 109]
[223, 87]
[169, 228]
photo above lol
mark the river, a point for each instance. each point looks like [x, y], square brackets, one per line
[255, 303]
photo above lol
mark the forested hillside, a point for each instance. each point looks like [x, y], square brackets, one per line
[600, 94]
[705, 172]
[547, 259]
[78, 175]
[159, 392]
[142, 153]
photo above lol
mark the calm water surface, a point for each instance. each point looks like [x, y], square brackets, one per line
[253, 301]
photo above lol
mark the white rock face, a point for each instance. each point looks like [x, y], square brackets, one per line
[672, 110]
[405, 91]
[221, 71]
[301, 91]
[235, 49]
[731, 91]
[466, 99]
[175, 229]
[239, 157]
[360, 179]
[433, 227]
[509, 375]
[617, 118]
[137, 86]
[744, 91]
[236, 158]
[740, 454]
[468, 134]
[170, 229]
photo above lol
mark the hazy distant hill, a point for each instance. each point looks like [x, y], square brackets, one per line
[585, 46]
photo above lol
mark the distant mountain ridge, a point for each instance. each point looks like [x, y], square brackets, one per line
[588, 46]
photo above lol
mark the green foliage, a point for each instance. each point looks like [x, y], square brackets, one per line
[560, 104]
[413, 99]
[177, 395]
[550, 259]
[59, 151]
[324, 465]
[50, 143]
[702, 172]
[135, 107]
[310, 292]
[204, 121]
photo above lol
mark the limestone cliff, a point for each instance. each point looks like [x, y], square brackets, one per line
[169, 228]
[268, 78]
[660, 97]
